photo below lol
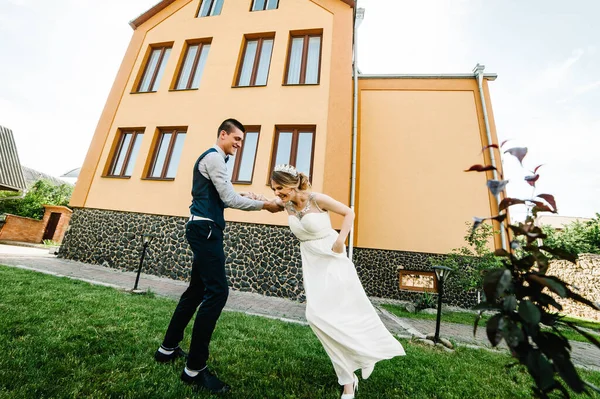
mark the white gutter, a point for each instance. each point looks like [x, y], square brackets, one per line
[359, 14]
[478, 72]
[488, 76]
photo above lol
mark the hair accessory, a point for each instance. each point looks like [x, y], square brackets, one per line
[289, 169]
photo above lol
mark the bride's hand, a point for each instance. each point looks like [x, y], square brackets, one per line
[338, 247]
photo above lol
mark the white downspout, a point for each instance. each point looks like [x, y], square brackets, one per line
[478, 72]
[359, 14]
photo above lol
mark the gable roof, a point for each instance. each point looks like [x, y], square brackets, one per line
[11, 174]
[165, 3]
[32, 176]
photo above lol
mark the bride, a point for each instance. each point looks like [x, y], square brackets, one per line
[337, 308]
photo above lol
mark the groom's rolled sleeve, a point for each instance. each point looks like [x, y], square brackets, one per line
[217, 173]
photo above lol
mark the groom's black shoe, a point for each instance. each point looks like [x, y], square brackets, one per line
[164, 358]
[206, 380]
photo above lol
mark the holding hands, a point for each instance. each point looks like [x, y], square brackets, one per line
[275, 205]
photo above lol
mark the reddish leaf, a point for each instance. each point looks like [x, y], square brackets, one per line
[533, 231]
[502, 252]
[518, 152]
[561, 253]
[549, 199]
[517, 230]
[499, 218]
[480, 168]
[506, 202]
[576, 297]
[536, 168]
[530, 233]
[489, 146]
[589, 336]
[542, 208]
[532, 179]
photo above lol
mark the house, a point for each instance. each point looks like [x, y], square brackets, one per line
[285, 70]
[559, 222]
[32, 176]
[11, 174]
[14, 177]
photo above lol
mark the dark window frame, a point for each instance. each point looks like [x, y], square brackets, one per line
[161, 133]
[200, 44]
[240, 154]
[295, 130]
[212, 3]
[163, 49]
[117, 151]
[264, 7]
[306, 37]
[260, 39]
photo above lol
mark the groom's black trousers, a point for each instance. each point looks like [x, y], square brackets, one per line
[208, 289]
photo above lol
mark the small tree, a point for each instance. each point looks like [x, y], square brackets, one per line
[469, 262]
[41, 193]
[518, 293]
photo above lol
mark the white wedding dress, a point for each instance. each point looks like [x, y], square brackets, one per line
[337, 308]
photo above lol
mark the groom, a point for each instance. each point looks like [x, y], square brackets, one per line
[211, 193]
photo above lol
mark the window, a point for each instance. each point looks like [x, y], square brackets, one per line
[294, 146]
[155, 67]
[261, 5]
[304, 61]
[241, 166]
[167, 154]
[192, 66]
[209, 8]
[256, 60]
[125, 154]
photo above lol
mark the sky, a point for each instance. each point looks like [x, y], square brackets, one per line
[58, 60]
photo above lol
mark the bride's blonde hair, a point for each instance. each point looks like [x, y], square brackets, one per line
[288, 176]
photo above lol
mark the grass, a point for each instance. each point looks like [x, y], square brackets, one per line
[469, 319]
[68, 339]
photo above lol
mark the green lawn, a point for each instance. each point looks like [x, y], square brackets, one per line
[67, 339]
[469, 319]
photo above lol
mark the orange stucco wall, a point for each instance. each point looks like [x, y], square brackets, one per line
[416, 138]
[327, 105]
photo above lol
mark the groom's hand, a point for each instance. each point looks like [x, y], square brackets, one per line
[272, 206]
[249, 194]
[254, 196]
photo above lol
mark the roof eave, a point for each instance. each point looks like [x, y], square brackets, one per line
[487, 76]
[158, 7]
[135, 23]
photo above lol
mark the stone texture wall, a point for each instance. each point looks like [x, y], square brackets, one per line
[260, 258]
[584, 275]
[379, 272]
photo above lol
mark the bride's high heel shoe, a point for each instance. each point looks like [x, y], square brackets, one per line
[351, 395]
